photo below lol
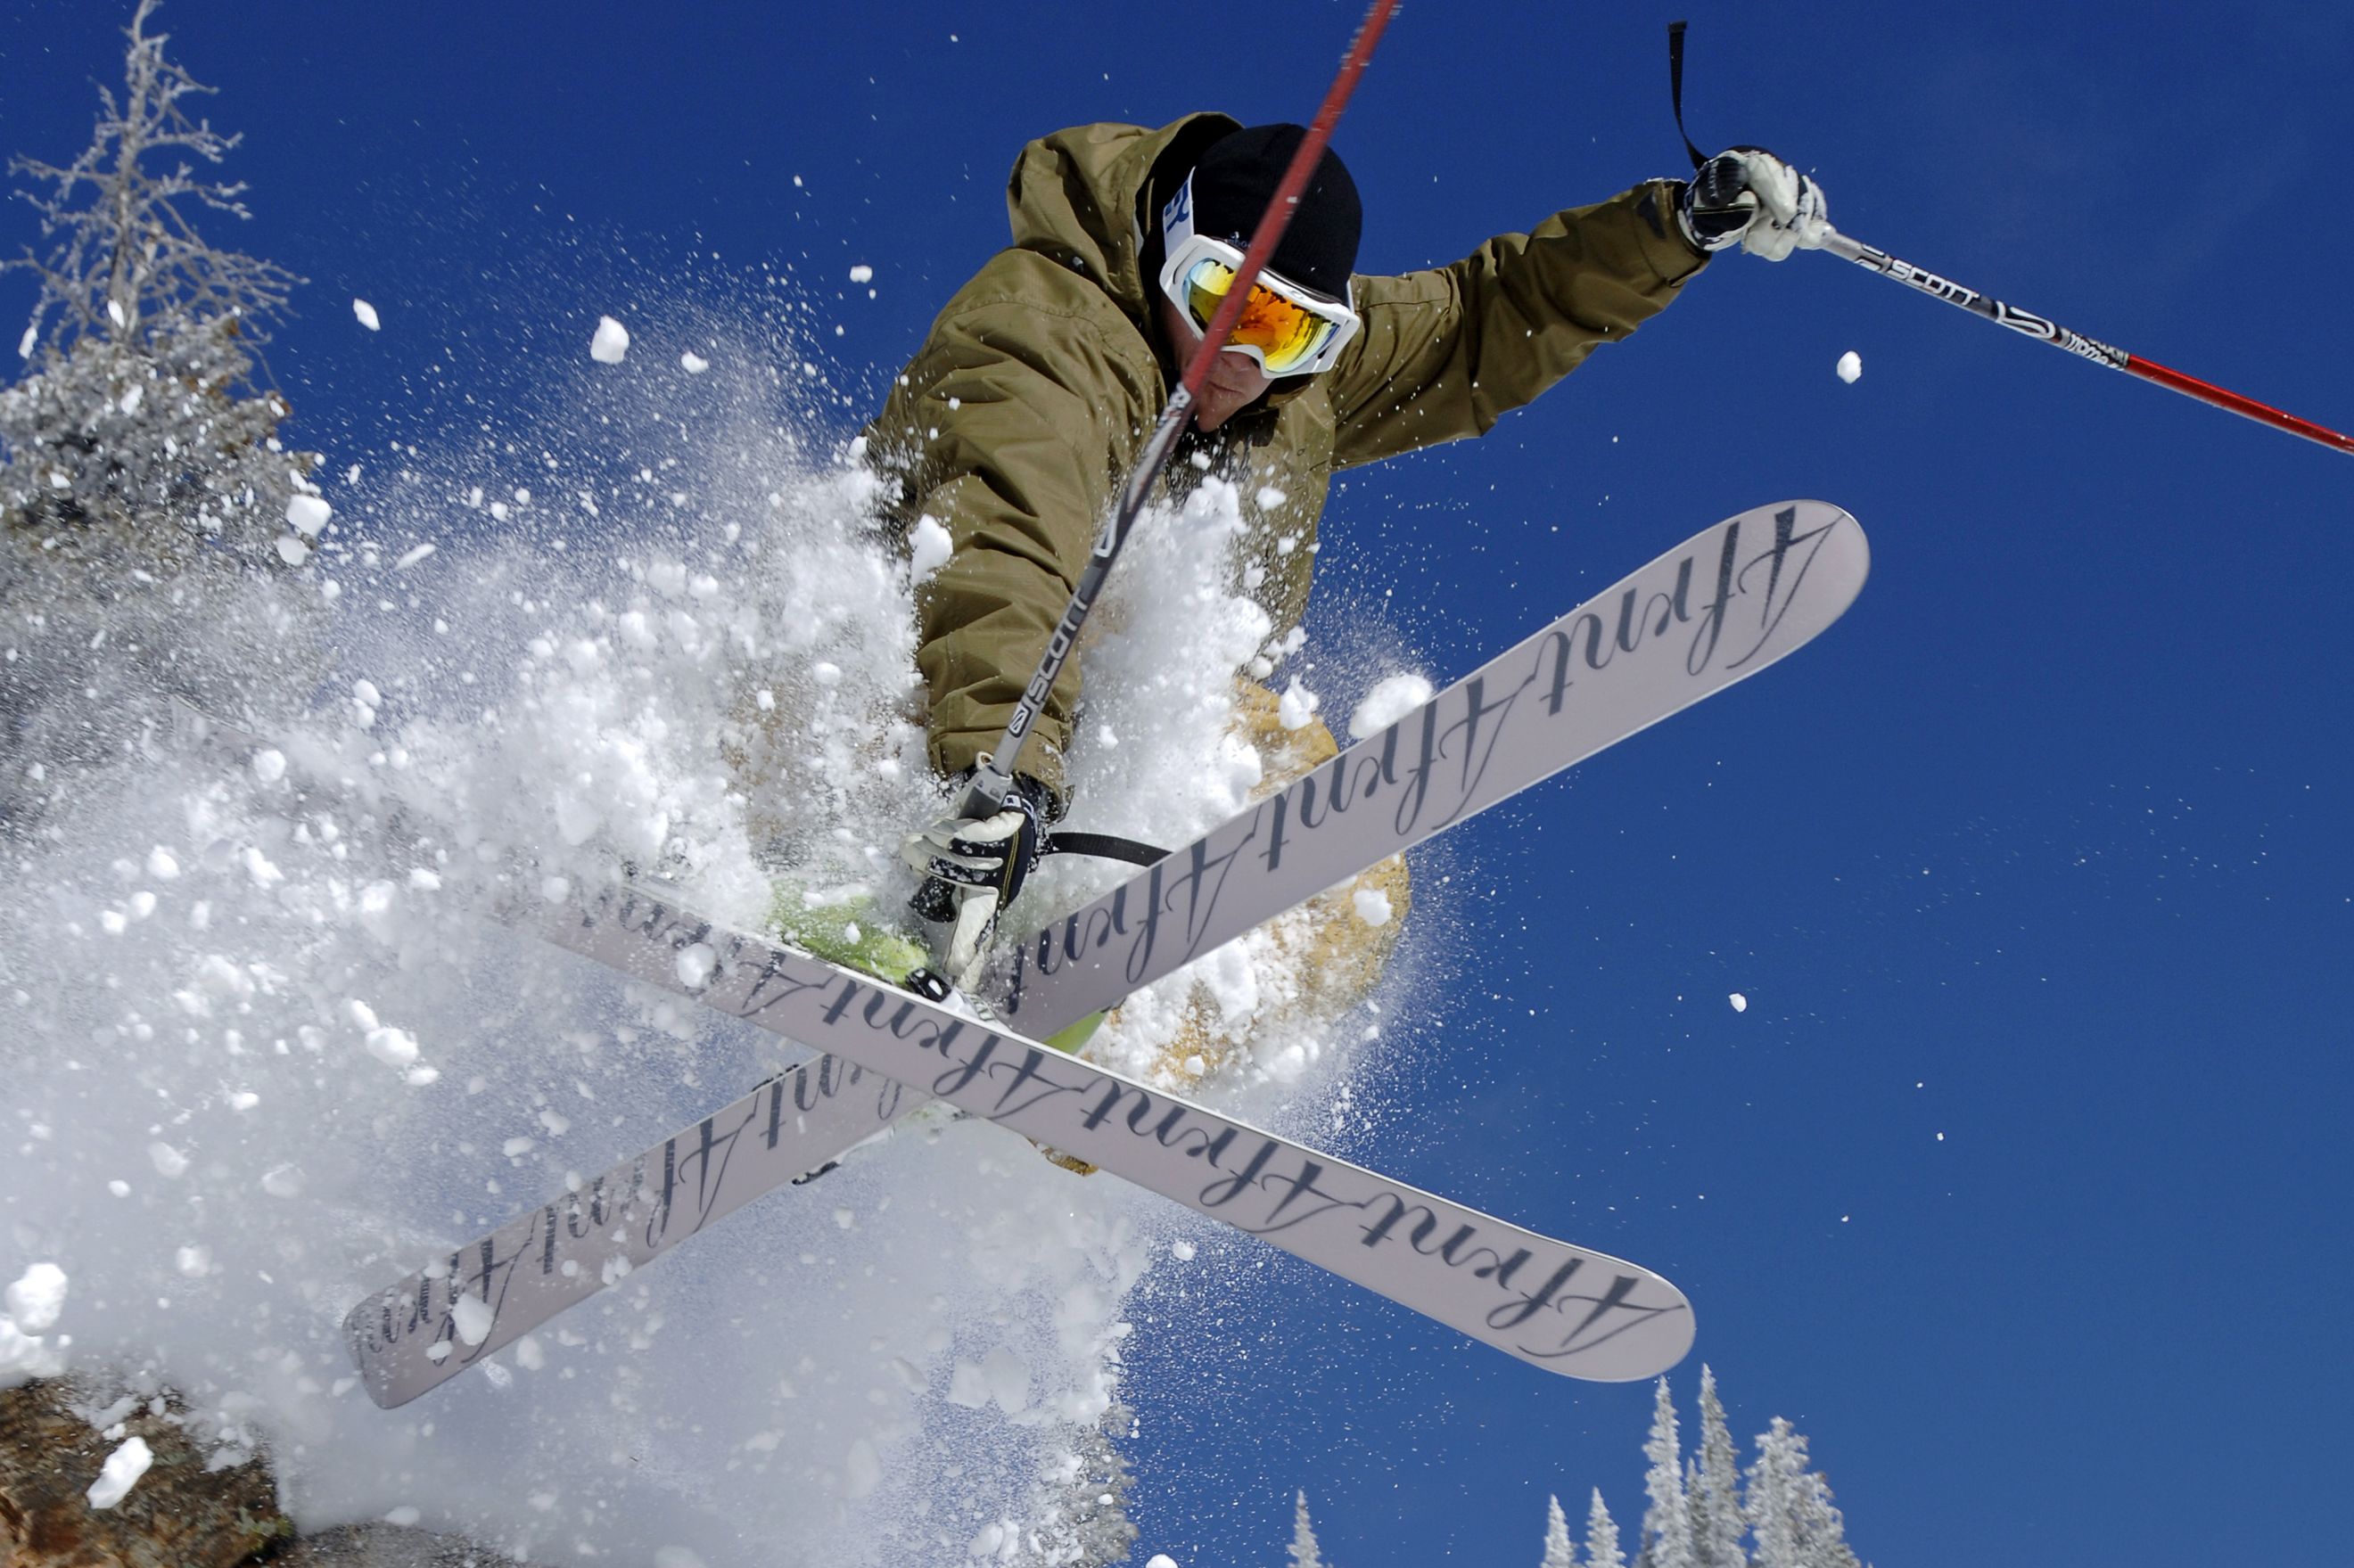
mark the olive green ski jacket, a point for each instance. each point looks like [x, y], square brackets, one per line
[1017, 423]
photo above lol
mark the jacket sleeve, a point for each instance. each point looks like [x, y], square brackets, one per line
[1011, 430]
[1446, 353]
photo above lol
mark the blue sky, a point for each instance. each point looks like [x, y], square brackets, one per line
[2022, 1185]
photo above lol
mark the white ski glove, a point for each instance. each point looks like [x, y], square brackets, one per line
[1750, 197]
[973, 867]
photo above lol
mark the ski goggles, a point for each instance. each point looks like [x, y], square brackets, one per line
[1287, 330]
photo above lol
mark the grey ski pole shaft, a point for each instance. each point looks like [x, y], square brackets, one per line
[2030, 324]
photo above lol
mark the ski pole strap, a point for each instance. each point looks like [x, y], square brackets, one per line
[1676, 89]
[2029, 324]
[1104, 846]
[995, 775]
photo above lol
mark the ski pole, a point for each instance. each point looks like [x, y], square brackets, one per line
[994, 775]
[2053, 333]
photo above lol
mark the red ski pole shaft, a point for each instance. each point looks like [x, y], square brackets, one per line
[2032, 326]
[995, 775]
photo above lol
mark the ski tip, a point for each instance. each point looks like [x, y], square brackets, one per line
[1640, 1328]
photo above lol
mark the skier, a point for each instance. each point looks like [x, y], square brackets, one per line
[1019, 420]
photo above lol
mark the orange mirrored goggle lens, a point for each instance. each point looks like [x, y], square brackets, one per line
[1286, 335]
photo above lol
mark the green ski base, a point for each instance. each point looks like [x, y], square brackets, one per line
[850, 934]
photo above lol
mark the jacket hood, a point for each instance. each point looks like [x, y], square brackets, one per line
[1073, 197]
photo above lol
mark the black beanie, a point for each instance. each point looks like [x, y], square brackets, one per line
[1237, 178]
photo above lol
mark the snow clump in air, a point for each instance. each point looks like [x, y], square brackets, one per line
[306, 514]
[1391, 699]
[930, 547]
[1850, 365]
[611, 344]
[37, 1298]
[121, 1473]
[861, 273]
[1740, 1003]
[365, 314]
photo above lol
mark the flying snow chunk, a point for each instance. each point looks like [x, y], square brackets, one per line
[121, 1473]
[930, 547]
[413, 556]
[1372, 905]
[864, 1472]
[393, 1047]
[1390, 700]
[365, 313]
[693, 362]
[307, 514]
[1296, 707]
[861, 273]
[612, 342]
[696, 963]
[1850, 365]
[291, 550]
[24, 344]
[38, 1298]
[473, 1316]
[1740, 1003]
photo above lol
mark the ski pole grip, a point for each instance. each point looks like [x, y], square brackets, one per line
[987, 790]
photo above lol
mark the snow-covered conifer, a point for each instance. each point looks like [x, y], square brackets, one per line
[144, 492]
[1080, 1516]
[1303, 1538]
[1602, 1537]
[1558, 1551]
[1715, 1488]
[138, 423]
[1666, 1521]
[1790, 1508]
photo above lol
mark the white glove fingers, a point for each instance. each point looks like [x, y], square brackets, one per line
[969, 942]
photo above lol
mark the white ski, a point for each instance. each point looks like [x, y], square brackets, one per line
[1709, 613]
[1565, 1308]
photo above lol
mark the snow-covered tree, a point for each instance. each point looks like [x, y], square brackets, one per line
[138, 432]
[1713, 1486]
[1790, 1508]
[1602, 1536]
[1079, 1518]
[1558, 1551]
[1666, 1521]
[144, 492]
[1303, 1538]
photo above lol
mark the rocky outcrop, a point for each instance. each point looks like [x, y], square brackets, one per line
[178, 1515]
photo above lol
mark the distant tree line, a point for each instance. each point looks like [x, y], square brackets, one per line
[1698, 1511]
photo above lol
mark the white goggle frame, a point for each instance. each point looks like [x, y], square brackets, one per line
[1187, 247]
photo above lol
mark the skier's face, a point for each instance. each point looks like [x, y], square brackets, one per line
[1236, 380]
